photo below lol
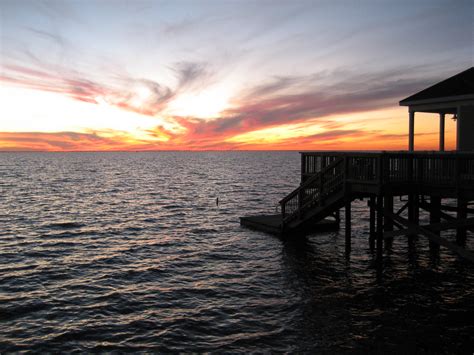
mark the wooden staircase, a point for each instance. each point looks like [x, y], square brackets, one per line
[318, 197]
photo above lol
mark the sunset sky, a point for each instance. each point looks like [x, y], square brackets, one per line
[199, 75]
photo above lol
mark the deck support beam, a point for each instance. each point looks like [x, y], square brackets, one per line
[434, 238]
[435, 227]
[445, 216]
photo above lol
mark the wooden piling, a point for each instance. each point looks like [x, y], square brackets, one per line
[388, 222]
[372, 235]
[416, 209]
[379, 225]
[435, 217]
[461, 232]
[348, 226]
[413, 211]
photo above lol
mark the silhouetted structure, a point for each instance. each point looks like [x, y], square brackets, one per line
[332, 180]
[451, 96]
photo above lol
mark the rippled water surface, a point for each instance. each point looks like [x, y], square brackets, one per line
[128, 251]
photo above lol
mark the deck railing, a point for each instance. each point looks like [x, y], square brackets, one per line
[449, 168]
[314, 190]
[323, 173]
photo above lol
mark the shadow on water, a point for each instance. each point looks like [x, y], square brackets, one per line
[406, 303]
[324, 289]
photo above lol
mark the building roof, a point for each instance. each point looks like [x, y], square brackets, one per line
[461, 84]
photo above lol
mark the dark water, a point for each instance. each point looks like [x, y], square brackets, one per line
[128, 252]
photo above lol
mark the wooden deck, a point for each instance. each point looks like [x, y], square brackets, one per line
[332, 180]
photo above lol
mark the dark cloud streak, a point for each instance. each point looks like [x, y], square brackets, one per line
[348, 94]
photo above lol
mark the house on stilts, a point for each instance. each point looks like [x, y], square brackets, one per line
[332, 180]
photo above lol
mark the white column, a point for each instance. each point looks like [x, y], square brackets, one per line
[411, 132]
[441, 132]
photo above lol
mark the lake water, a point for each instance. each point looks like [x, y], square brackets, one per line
[129, 252]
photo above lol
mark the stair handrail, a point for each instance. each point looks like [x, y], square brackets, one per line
[314, 181]
[309, 181]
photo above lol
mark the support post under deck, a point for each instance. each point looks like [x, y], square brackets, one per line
[413, 211]
[435, 217]
[372, 235]
[461, 232]
[388, 222]
[348, 226]
[379, 225]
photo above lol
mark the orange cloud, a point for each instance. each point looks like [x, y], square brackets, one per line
[61, 141]
[120, 141]
[281, 102]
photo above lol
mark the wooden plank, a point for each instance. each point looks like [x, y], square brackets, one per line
[434, 238]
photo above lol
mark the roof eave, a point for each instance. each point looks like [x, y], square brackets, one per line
[407, 102]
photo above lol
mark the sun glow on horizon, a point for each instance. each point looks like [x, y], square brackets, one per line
[54, 112]
[141, 95]
[206, 104]
[49, 112]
